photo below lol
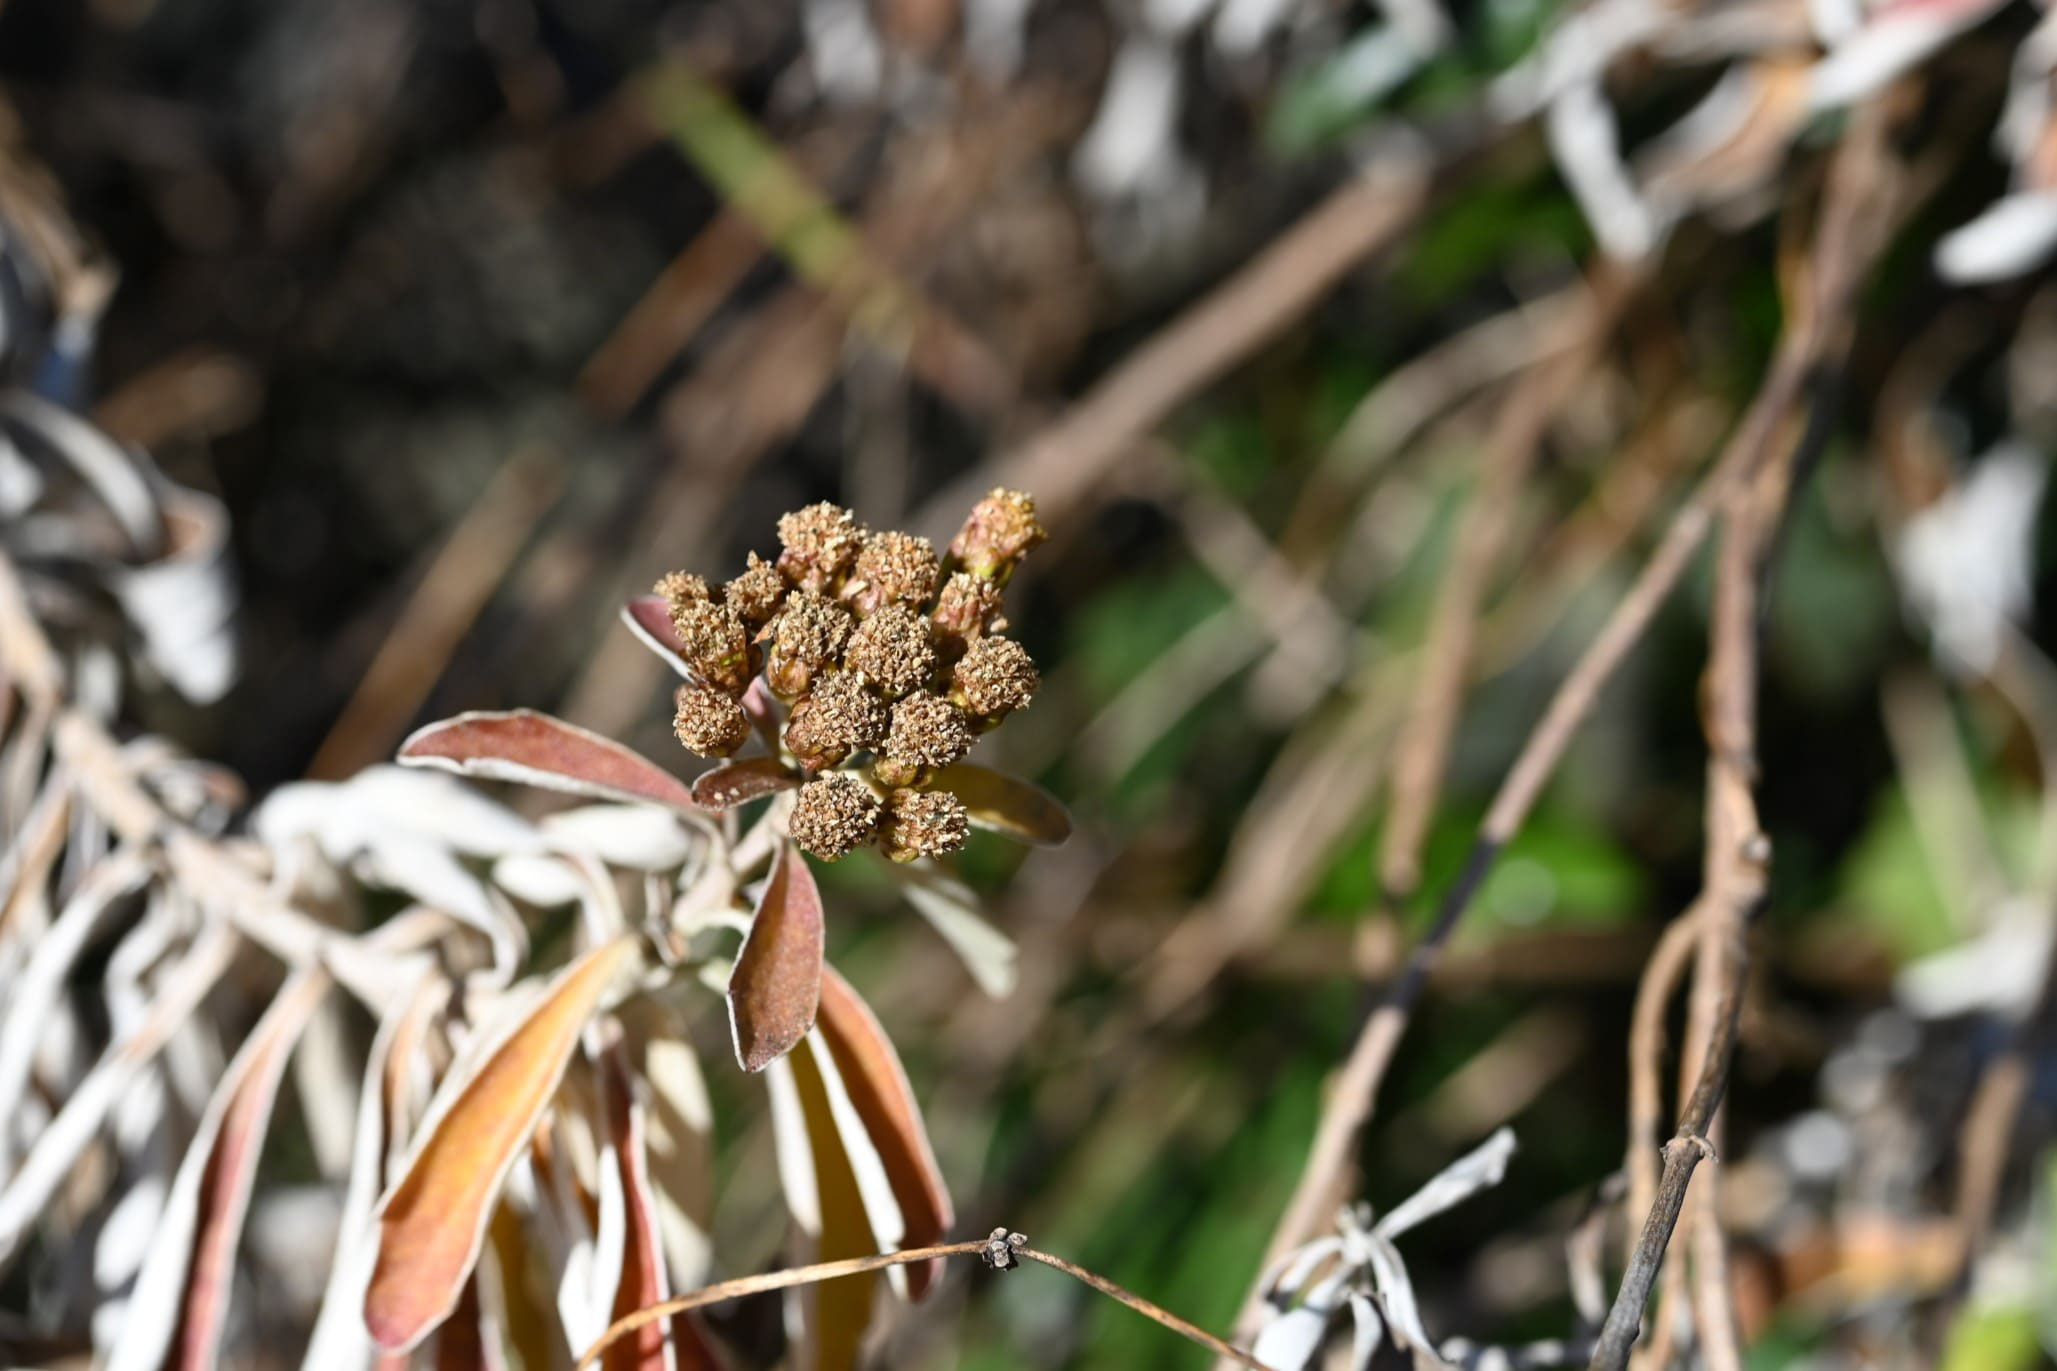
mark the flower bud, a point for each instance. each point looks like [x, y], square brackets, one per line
[892, 651]
[715, 644]
[928, 732]
[820, 542]
[755, 595]
[834, 816]
[834, 719]
[708, 722]
[995, 677]
[892, 569]
[807, 639]
[922, 823]
[682, 588]
[967, 609]
[997, 533]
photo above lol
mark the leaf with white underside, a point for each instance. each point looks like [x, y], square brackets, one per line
[916, 1210]
[535, 749]
[433, 1219]
[826, 1199]
[649, 618]
[952, 909]
[680, 1131]
[176, 1315]
[776, 984]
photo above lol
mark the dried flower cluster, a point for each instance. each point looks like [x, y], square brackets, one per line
[890, 660]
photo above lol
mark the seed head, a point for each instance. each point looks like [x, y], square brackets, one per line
[923, 823]
[834, 816]
[708, 722]
[892, 651]
[756, 594]
[820, 543]
[838, 716]
[717, 646]
[682, 588]
[928, 731]
[807, 639]
[893, 569]
[997, 533]
[995, 677]
[967, 609]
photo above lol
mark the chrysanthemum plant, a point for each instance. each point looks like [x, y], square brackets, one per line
[843, 684]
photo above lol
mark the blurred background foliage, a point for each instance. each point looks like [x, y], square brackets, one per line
[398, 278]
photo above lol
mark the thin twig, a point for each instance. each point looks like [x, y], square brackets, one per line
[857, 1266]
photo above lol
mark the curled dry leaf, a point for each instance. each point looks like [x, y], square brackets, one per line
[1006, 804]
[536, 749]
[176, 1315]
[884, 1103]
[776, 985]
[738, 783]
[433, 1219]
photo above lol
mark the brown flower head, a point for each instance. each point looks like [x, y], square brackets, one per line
[928, 731]
[715, 644]
[807, 639]
[820, 543]
[756, 594]
[682, 588]
[997, 533]
[923, 823]
[834, 816]
[893, 569]
[995, 677]
[834, 719]
[708, 722]
[892, 651]
[967, 609]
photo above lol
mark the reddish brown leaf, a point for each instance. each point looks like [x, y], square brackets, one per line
[738, 783]
[826, 1198]
[432, 1221]
[777, 981]
[643, 1277]
[878, 1087]
[649, 618]
[1006, 804]
[535, 749]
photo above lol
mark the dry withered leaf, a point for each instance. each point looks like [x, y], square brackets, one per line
[827, 1203]
[776, 985]
[737, 783]
[433, 1219]
[1006, 804]
[536, 749]
[180, 1304]
[879, 1091]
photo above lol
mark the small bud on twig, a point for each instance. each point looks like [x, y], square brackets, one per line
[709, 722]
[923, 823]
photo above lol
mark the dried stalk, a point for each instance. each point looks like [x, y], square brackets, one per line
[857, 1266]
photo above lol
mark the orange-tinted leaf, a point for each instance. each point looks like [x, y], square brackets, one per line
[878, 1088]
[738, 783]
[431, 1223]
[538, 750]
[649, 618]
[1006, 804]
[777, 981]
[182, 1294]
